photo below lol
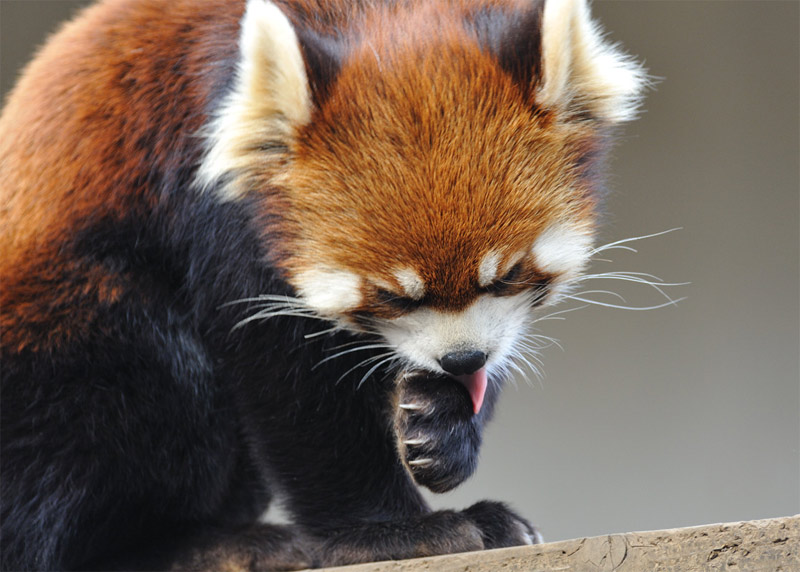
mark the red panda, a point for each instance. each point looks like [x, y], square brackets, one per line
[255, 248]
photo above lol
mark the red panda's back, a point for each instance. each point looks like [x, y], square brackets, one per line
[101, 121]
[114, 96]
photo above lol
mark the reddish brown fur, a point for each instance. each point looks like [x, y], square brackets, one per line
[82, 98]
[382, 179]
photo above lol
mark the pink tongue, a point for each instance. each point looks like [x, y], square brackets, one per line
[476, 385]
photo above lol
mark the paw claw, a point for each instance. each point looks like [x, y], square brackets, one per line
[415, 442]
[421, 462]
[410, 406]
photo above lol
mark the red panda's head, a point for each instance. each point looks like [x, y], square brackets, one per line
[435, 170]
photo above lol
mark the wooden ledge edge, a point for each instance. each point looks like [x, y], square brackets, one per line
[771, 544]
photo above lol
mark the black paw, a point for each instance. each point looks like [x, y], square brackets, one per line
[484, 525]
[442, 532]
[438, 435]
[500, 526]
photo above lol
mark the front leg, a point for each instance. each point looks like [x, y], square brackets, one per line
[439, 438]
[334, 447]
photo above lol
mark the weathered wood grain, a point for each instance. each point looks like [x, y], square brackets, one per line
[758, 545]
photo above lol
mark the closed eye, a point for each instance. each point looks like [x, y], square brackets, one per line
[507, 283]
[403, 303]
[513, 274]
[517, 280]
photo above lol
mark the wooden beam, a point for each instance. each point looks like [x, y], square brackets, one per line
[769, 545]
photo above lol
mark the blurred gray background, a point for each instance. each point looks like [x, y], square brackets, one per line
[688, 414]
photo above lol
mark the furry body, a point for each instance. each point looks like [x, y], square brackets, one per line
[405, 172]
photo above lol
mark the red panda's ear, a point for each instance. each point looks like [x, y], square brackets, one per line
[323, 57]
[583, 74]
[257, 120]
[513, 36]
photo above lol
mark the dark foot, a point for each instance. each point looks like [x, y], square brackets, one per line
[484, 525]
[437, 433]
[500, 526]
[442, 532]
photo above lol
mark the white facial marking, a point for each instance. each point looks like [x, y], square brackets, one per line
[382, 284]
[487, 271]
[411, 283]
[509, 264]
[492, 324]
[329, 291]
[269, 100]
[562, 249]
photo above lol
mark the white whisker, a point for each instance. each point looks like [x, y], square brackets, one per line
[367, 361]
[618, 243]
[353, 343]
[376, 366]
[556, 315]
[609, 292]
[525, 358]
[515, 365]
[269, 298]
[671, 302]
[272, 314]
[351, 350]
[322, 332]
[535, 342]
[635, 277]
[632, 275]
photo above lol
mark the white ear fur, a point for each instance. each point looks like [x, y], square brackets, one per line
[270, 99]
[581, 71]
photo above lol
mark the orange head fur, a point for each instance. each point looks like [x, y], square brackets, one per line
[433, 165]
[427, 156]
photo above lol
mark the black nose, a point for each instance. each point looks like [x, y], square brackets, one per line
[463, 363]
